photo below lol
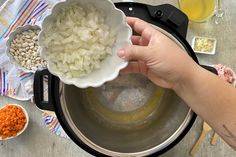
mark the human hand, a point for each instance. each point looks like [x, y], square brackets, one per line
[156, 56]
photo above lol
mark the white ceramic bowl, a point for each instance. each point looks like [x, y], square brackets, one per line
[26, 124]
[11, 37]
[111, 65]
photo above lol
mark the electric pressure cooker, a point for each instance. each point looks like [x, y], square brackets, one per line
[129, 116]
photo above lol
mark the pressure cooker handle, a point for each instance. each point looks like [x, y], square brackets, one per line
[209, 68]
[39, 79]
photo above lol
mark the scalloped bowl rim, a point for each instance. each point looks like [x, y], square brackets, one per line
[69, 81]
[9, 40]
[26, 124]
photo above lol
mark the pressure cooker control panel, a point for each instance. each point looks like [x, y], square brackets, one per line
[160, 15]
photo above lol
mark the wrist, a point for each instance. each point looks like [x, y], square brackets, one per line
[188, 78]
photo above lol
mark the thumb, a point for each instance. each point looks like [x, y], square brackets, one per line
[134, 52]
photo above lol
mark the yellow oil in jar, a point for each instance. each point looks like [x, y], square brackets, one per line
[198, 10]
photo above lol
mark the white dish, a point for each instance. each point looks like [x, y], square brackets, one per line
[12, 36]
[212, 52]
[26, 124]
[111, 65]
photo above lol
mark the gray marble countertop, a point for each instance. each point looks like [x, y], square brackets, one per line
[37, 141]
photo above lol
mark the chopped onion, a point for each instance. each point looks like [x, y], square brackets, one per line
[78, 40]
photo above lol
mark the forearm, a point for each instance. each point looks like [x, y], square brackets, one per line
[165, 64]
[212, 99]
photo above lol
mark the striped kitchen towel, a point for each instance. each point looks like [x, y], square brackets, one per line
[14, 13]
[51, 122]
[14, 82]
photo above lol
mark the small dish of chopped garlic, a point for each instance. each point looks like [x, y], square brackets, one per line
[79, 40]
[204, 45]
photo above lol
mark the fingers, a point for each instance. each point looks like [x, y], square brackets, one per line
[141, 27]
[134, 53]
[136, 40]
[135, 67]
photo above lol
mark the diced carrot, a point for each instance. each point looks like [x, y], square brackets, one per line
[12, 121]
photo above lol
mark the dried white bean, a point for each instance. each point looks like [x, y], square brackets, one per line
[35, 38]
[28, 36]
[25, 44]
[28, 62]
[34, 54]
[31, 44]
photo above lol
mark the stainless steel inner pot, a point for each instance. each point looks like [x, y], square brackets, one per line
[129, 116]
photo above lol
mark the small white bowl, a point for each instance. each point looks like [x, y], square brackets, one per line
[11, 37]
[111, 65]
[26, 124]
[212, 52]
